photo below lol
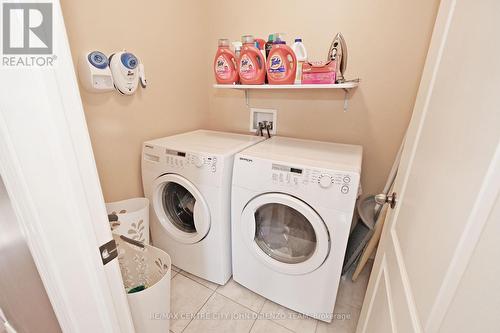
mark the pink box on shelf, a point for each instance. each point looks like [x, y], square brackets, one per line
[320, 72]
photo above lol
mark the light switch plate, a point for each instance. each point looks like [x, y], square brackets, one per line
[261, 115]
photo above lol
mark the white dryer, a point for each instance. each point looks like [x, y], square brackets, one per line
[187, 179]
[292, 206]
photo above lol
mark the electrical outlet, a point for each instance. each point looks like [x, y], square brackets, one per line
[262, 115]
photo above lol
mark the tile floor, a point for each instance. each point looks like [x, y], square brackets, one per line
[203, 306]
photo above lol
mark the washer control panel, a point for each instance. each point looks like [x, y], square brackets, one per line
[295, 177]
[181, 159]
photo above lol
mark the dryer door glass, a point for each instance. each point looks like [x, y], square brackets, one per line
[178, 204]
[284, 234]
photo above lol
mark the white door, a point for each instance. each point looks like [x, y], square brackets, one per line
[181, 208]
[48, 168]
[448, 178]
[285, 233]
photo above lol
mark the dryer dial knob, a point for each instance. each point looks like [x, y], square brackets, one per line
[198, 161]
[325, 181]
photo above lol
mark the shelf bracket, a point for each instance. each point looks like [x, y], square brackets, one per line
[247, 98]
[346, 99]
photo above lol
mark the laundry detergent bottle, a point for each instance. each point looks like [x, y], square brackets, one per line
[301, 53]
[281, 64]
[252, 68]
[225, 68]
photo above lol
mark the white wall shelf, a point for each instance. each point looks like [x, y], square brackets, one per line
[247, 87]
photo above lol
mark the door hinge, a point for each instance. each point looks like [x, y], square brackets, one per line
[108, 251]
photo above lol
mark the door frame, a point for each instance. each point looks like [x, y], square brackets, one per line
[49, 171]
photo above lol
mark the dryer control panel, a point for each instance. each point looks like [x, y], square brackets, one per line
[292, 176]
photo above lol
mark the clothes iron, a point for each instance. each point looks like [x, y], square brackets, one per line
[338, 52]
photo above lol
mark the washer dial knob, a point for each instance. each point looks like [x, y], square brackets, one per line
[198, 161]
[325, 181]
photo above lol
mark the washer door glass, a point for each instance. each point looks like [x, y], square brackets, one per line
[284, 234]
[179, 204]
[180, 208]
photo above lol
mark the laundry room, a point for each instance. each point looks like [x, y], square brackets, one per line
[177, 42]
[248, 167]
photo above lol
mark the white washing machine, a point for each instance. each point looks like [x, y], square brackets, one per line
[292, 206]
[187, 179]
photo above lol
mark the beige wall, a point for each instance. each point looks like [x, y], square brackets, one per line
[387, 42]
[175, 100]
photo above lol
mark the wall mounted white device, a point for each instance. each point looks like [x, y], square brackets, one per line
[127, 71]
[94, 72]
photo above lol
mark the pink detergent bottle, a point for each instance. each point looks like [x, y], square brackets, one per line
[252, 68]
[225, 64]
[281, 64]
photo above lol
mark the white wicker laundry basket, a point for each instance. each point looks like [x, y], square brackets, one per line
[131, 218]
[148, 266]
